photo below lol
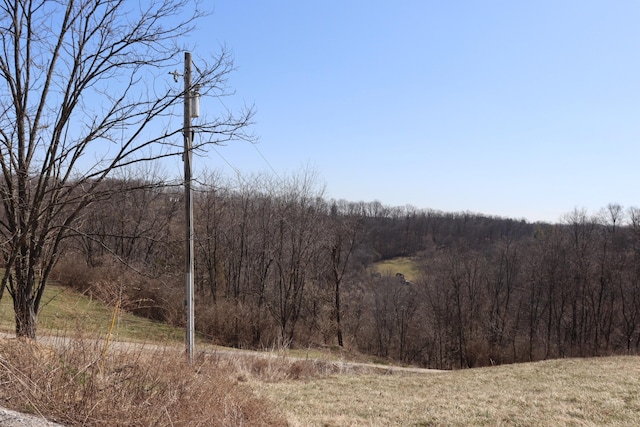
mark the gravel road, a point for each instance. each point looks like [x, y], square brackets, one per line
[10, 418]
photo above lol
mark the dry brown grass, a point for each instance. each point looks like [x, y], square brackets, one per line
[72, 384]
[571, 392]
[150, 385]
[274, 367]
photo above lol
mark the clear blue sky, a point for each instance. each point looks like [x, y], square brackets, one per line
[509, 108]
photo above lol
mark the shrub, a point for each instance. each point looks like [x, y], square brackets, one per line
[73, 384]
[111, 281]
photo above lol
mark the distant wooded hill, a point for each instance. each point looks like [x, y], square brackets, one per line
[278, 264]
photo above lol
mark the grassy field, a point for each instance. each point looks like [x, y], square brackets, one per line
[404, 265]
[571, 392]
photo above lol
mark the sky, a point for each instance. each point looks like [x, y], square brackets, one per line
[518, 109]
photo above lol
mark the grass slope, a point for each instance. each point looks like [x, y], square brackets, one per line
[570, 392]
[65, 310]
[405, 265]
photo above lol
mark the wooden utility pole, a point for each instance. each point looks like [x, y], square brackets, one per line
[188, 202]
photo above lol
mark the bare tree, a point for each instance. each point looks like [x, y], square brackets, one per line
[296, 249]
[85, 92]
[341, 238]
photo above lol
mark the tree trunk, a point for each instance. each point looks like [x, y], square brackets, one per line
[26, 319]
[338, 308]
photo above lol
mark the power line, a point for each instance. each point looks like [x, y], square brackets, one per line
[266, 161]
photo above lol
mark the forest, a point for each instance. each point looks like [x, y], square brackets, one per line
[277, 264]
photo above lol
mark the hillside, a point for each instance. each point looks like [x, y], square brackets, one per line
[316, 389]
[280, 266]
[64, 310]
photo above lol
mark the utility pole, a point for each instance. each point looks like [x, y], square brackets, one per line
[188, 145]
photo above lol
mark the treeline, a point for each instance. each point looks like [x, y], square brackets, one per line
[277, 264]
[571, 289]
